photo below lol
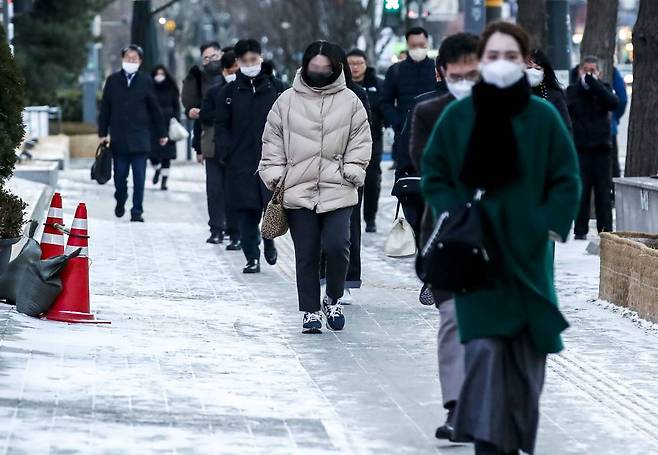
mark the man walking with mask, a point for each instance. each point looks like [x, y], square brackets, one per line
[241, 113]
[195, 87]
[130, 114]
[590, 103]
[221, 219]
[457, 64]
[404, 82]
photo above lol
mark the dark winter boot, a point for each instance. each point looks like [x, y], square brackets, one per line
[446, 431]
[253, 266]
[163, 187]
[486, 448]
[235, 245]
[156, 176]
[270, 253]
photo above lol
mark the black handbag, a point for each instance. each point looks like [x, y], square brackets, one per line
[101, 170]
[455, 258]
[406, 186]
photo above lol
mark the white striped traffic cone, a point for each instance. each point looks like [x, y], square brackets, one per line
[52, 240]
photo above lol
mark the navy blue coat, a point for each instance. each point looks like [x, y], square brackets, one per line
[131, 115]
[240, 116]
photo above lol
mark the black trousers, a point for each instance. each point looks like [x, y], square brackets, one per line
[249, 222]
[222, 219]
[164, 164]
[616, 168]
[595, 175]
[413, 208]
[353, 278]
[372, 187]
[312, 234]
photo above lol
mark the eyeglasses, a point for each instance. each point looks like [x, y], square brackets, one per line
[211, 58]
[473, 76]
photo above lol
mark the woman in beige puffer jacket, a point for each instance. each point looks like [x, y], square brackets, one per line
[317, 139]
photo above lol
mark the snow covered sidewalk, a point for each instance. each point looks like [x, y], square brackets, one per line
[202, 359]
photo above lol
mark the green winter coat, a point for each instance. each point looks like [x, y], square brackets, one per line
[520, 217]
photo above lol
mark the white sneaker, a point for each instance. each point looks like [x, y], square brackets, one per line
[347, 299]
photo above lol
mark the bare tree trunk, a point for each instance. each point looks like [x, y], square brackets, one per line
[642, 157]
[532, 17]
[601, 34]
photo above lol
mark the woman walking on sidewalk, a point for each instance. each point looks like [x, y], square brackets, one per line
[168, 96]
[317, 144]
[516, 148]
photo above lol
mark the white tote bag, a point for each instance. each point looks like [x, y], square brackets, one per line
[401, 241]
[177, 132]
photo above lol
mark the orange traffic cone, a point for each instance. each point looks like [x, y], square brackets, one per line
[52, 240]
[72, 305]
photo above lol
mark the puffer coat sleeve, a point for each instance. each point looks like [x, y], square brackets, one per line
[359, 148]
[273, 160]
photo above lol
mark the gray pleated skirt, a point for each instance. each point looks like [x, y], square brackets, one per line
[499, 400]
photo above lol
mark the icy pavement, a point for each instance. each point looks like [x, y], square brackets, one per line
[201, 359]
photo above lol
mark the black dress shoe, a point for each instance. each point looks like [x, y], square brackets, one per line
[581, 237]
[371, 227]
[445, 431]
[271, 255]
[119, 211]
[235, 245]
[137, 218]
[156, 176]
[215, 239]
[253, 266]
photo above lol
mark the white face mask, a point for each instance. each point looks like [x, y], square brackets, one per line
[230, 77]
[251, 71]
[535, 76]
[418, 54]
[461, 89]
[130, 68]
[502, 73]
[159, 78]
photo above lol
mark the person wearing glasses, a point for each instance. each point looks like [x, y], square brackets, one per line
[130, 117]
[457, 64]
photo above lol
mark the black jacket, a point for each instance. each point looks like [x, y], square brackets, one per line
[558, 99]
[405, 81]
[590, 113]
[405, 166]
[374, 86]
[195, 86]
[131, 115]
[204, 141]
[241, 113]
[169, 101]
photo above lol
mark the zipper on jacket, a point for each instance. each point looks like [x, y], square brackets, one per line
[253, 87]
[321, 143]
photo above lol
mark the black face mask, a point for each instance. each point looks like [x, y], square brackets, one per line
[213, 68]
[318, 80]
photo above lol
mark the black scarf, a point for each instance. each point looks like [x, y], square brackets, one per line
[492, 157]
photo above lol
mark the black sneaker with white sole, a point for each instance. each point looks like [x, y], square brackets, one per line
[334, 313]
[312, 322]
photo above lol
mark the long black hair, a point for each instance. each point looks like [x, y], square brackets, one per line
[550, 79]
[169, 81]
[330, 50]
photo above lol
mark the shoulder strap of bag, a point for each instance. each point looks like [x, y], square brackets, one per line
[397, 210]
